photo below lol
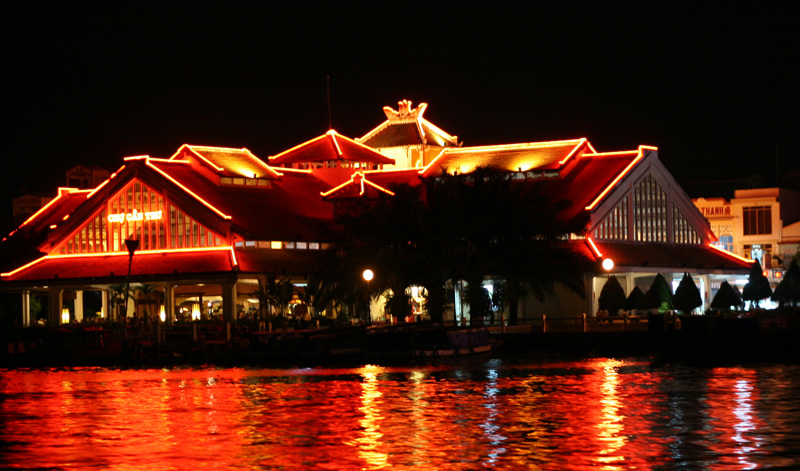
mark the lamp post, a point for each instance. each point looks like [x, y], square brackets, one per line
[368, 275]
[131, 245]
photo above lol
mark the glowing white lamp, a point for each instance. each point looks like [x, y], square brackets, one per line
[162, 314]
[195, 312]
[65, 316]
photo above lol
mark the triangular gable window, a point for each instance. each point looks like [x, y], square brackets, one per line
[140, 213]
[615, 225]
[649, 211]
[684, 233]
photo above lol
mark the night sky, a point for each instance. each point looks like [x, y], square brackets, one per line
[712, 86]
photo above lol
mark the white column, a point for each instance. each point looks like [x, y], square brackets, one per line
[78, 306]
[104, 301]
[26, 308]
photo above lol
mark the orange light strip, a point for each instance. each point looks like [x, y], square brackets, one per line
[117, 254]
[105, 182]
[352, 181]
[594, 247]
[206, 203]
[619, 177]
[438, 130]
[574, 150]
[297, 147]
[376, 186]
[731, 254]
[513, 147]
[332, 134]
[37, 213]
[205, 160]
[337, 188]
[233, 257]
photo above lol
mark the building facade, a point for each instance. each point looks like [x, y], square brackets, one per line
[213, 225]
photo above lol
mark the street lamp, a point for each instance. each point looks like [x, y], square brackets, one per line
[608, 265]
[368, 275]
[131, 245]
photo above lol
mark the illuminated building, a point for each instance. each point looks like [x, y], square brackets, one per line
[214, 222]
[762, 224]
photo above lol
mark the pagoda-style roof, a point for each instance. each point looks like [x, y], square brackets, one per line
[406, 127]
[329, 147]
[227, 161]
[527, 157]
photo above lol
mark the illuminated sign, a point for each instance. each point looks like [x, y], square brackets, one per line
[724, 210]
[135, 216]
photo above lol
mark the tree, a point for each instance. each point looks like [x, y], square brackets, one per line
[757, 287]
[118, 293]
[687, 297]
[612, 296]
[635, 299]
[726, 297]
[788, 291]
[508, 230]
[659, 296]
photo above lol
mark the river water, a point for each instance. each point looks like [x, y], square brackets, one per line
[480, 414]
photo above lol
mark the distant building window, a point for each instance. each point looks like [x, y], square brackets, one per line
[302, 245]
[725, 242]
[757, 220]
[250, 243]
[313, 245]
[276, 244]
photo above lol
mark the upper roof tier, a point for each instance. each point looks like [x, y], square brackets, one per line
[528, 157]
[328, 147]
[227, 161]
[406, 127]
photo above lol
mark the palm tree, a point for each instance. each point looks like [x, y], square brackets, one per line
[118, 294]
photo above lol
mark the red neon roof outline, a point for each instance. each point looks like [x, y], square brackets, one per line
[730, 254]
[106, 254]
[594, 247]
[61, 192]
[334, 137]
[206, 203]
[105, 182]
[639, 155]
[361, 180]
[509, 148]
[196, 151]
[197, 155]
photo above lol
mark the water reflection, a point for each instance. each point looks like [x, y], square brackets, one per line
[594, 414]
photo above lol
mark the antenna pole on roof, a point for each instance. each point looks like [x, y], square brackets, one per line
[328, 84]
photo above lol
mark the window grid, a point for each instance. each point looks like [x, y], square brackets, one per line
[650, 211]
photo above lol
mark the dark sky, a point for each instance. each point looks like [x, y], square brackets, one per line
[711, 85]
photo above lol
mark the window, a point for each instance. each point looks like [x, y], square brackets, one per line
[649, 211]
[757, 220]
[725, 242]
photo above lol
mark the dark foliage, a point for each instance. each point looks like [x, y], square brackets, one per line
[659, 296]
[726, 298]
[757, 287]
[687, 297]
[612, 296]
[472, 227]
[788, 291]
[635, 299]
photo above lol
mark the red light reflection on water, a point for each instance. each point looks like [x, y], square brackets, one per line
[732, 394]
[594, 414]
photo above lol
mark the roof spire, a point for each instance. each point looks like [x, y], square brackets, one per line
[404, 111]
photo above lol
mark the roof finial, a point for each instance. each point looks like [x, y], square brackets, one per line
[404, 111]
